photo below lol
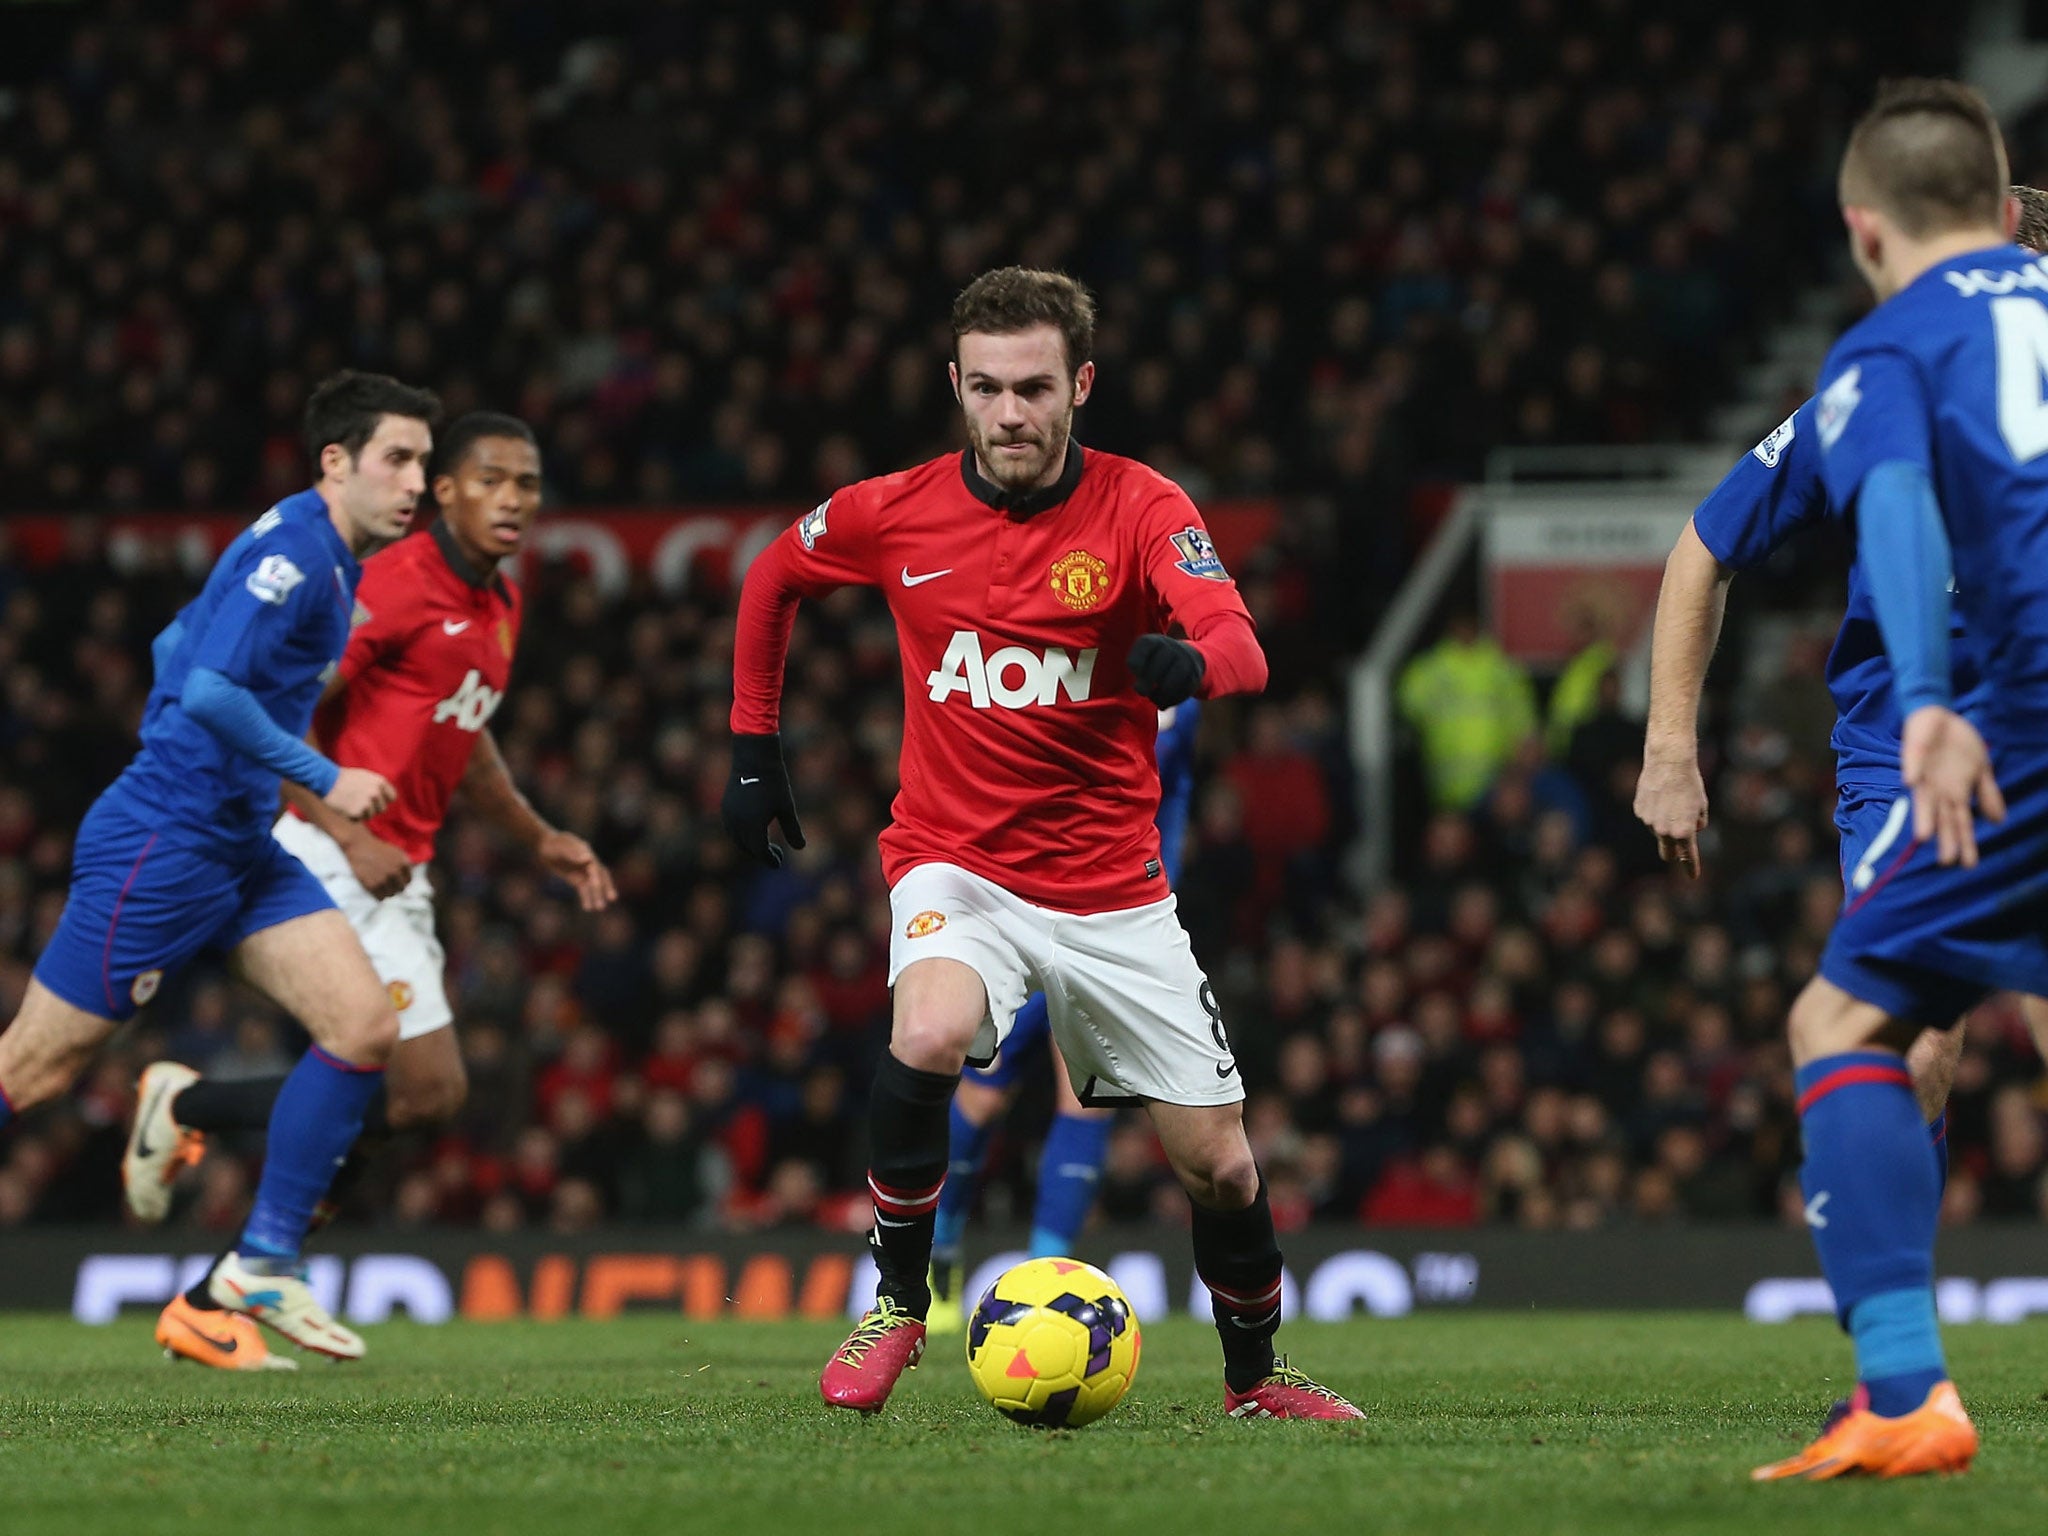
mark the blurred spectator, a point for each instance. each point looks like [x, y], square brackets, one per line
[1471, 705]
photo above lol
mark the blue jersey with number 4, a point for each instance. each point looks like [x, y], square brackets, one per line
[1950, 376]
[1775, 491]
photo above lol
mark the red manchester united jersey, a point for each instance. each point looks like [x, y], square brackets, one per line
[425, 669]
[1027, 754]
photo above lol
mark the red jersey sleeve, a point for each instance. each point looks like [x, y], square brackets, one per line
[384, 620]
[1187, 580]
[830, 547]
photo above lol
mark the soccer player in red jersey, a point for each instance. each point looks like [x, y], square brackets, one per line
[426, 666]
[1032, 583]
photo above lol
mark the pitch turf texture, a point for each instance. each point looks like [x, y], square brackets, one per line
[1533, 1423]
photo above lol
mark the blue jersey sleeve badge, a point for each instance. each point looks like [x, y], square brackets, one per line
[1838, 403]
[1772, 449]
[1198, 555]
[272, 580]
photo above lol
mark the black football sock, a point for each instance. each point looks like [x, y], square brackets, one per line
[906, 1170]
[197, 1296]
[242, 1104]
[1238, 1257]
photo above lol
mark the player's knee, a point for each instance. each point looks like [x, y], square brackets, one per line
[431, 1101]
[1228, 1180]
[932, 1039]
[368, 1039]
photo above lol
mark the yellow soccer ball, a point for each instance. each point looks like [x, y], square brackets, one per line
[1053, 1342]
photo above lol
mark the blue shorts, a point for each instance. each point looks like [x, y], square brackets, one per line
[1025, 1043]
[145, 899]
[1927, 944]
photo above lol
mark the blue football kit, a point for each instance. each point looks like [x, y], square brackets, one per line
[1932, 426]
[176, 857]
[1934, 433]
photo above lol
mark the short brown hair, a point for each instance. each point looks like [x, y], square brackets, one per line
[1013, 299]
[1929, 154]
[2033, 230]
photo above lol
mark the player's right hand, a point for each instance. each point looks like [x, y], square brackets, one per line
[382, 869]
[1948, 769]
[1671, 800]
[359, 793]
[756, 793]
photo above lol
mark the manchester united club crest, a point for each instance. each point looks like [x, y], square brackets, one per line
[924, 925]
[1079, 580]
[400, 993]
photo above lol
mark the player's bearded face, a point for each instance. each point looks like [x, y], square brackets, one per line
[1018, 398]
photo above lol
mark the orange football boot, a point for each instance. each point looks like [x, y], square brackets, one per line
[225, 1341]
[1935, 1437]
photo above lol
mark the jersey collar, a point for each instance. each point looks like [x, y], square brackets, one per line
[460, 563]
[1031, 502]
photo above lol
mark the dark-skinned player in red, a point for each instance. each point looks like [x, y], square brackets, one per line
[427, 663]
[1032, 583]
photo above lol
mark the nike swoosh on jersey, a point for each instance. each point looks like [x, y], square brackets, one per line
[448, 628]
[918, 581]
[1226, 1069]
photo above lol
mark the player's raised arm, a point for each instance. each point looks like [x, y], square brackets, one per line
[829, 547]
[1221, 654]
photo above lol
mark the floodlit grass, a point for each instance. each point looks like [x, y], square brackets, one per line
[1531, 1423]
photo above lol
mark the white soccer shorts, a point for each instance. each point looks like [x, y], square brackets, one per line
[397, 933]
[1132, 1012]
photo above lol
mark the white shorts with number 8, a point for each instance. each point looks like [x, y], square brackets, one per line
[1130, 1009]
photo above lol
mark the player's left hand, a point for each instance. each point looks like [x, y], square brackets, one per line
[1165, 670]
[567, 855]
[1948, 771]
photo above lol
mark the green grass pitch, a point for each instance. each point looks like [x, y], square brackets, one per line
[1535, 1423]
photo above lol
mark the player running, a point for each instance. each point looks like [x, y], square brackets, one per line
[1070, 1164]
[1772, 493]
[176, 857]
[425, 669]
[1030, 581]
[1934, 437]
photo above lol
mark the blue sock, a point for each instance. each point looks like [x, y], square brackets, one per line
[966, 1154]
[1872, 1197]
[1068, 1171]
[6, 1107]
[317, 1117]
[1938, 1131]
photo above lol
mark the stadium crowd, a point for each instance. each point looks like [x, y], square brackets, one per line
[704, 249]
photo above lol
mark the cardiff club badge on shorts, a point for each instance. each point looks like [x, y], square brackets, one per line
[924, 925]
[144, 987]
[1079, 579]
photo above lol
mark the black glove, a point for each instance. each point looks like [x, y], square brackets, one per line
[1165, 670]
[756, 793]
